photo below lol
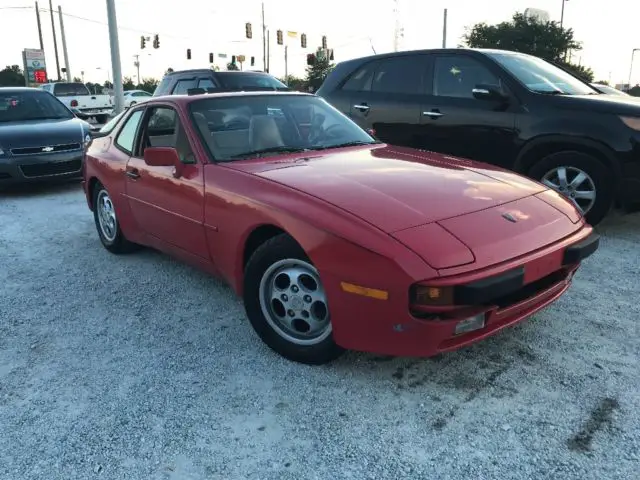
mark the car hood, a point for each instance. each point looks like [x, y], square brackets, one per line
[396, 188]
[613, 104]
[36, 133]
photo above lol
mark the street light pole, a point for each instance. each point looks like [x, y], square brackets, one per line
[633, 52]
[562, 13]
[115, 56]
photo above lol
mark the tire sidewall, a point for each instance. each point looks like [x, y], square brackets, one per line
[601, 175]
[272, 251]
[118, 242]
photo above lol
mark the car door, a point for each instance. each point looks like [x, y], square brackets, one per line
[165, 205]
[386, 96]
[457, 123]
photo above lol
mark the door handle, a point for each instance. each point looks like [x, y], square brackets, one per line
[362, 107]
[133, 173]
[432, 114]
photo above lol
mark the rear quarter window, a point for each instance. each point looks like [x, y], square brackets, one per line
[163, 87]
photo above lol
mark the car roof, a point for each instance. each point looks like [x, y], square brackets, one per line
[208, 70]
[185, 99]
[21, 89]
[484, 51]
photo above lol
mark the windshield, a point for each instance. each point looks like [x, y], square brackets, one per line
[262, 125]
[237, 80]
[540, 76]
[19, 106]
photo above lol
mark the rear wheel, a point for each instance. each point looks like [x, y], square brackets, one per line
[286, 303]
[104, 215]
[581, 178]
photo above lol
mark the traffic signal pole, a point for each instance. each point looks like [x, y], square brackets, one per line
[115, 56]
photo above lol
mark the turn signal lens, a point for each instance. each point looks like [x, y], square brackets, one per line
[632, 122]
[434, 296]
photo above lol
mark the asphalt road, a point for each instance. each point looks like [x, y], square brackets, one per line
[138, 367]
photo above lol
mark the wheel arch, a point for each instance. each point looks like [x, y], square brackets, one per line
[541, 147]
[93, 182]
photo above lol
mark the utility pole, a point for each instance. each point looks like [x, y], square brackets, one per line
[115, 56]
[633, 52]
[562, 14]
[64, 45]
[397, 29]
[264, 43]
[444, 30]
[286, 62]
[268, 51]
[39, 27]
[55, 41]
[137, 65]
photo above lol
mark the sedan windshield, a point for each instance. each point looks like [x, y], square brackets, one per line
[542, 77]
[23, 105]
[246, 126]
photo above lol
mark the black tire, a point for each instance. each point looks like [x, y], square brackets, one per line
[600, 174]
[102, 118]
[279, 248]
[118, 243]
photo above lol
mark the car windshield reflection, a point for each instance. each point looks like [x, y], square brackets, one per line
[241, 127]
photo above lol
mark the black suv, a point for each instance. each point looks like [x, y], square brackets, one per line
[505, 108]
[179, 83]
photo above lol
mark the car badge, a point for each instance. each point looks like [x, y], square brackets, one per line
[509, 217]
[47, 149]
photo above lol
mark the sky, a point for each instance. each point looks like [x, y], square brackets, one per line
[353, 28]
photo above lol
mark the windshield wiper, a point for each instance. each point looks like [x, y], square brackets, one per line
[551, 92]
[345, 144]
[259, 153]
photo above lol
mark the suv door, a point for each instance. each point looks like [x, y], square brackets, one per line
[457, 123]
[386, 96]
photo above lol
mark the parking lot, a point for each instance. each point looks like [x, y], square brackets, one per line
[139, 367]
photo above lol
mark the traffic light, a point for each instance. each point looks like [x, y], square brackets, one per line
[188, 54]
[279, 37]
[143, 42]
[331, 54]
[156, 41]
[324, 42]
[211, 58]
[303, 40]
[311, 59]
[247, 30]
[233, 59]
[253, 61]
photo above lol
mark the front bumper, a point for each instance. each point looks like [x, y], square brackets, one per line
[40, 168]
[504, 295]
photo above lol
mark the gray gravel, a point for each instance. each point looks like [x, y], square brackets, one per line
[138, 367]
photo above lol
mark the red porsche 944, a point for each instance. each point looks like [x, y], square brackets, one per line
[334, 240]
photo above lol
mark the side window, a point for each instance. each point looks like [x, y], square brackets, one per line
[164, 129]
[458, 75]
[183, 85]
[127, 135]
[361, 79]
[400, 75]
[206, 83]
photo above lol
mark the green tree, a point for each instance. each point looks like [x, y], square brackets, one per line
[634, 91]
[232, 66]
[602, 82]
[547, 40]
[77, 79]
[12, 76]
[295, 83]
[127, 84]
[107, 84]
[317, 72]
[148, 85]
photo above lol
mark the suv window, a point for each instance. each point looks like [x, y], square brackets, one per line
[127, 135]
[206, 83]
[164, 129]
[400, 75]
[70, 89]
[458, 75]
[361, 80]
[163, 86]
[183, 85]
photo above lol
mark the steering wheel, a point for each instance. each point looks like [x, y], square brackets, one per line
[320, 133]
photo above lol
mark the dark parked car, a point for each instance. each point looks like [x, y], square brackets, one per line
[40, 138]
[179, 83]
[510, 109]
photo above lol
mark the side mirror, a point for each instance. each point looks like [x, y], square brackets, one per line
[161, 157]
[488, 92]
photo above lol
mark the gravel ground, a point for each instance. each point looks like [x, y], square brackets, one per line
[138, 367]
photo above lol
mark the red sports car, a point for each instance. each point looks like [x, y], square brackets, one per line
[334, 240]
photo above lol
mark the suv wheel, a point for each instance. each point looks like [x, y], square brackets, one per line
[580, 177]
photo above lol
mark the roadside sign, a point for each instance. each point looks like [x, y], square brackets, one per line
[35, 69]
[241, 58]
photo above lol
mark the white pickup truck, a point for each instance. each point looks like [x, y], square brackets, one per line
[81, 101]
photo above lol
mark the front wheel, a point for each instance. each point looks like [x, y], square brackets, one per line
[583, 179]
[104, 215]
[286, 303]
